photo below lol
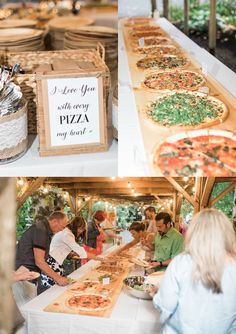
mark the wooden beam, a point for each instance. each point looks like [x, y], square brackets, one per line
[7, 249]
[206, 194]
[174, 205]
[198, 193]
[70, 202]
[186, 17]
[164, 205]
[212, 27]
[166, 9]
[180, 189]
[33, 186]
[222, 194]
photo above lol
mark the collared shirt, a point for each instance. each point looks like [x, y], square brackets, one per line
[191, 308]
[93, 233]
[63, 243]
[168, 246]
[39, 235]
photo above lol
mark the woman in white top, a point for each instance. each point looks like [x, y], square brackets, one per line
[198, 291]
[62, 244]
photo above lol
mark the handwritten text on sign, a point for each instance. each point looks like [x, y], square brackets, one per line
[73, 111]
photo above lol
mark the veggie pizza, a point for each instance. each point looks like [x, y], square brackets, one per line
[163, 62]
[186, 110]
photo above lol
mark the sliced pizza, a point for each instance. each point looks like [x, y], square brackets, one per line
[162, 63]
[186, 110]
[197, 153]
[141, 20]
[147, 33]
[174, 80]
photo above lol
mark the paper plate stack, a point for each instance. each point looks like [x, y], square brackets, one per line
[21, 39]
[58, 27]
[17, 23]
[89, 37]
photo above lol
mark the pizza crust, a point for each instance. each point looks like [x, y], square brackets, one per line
[220, 119]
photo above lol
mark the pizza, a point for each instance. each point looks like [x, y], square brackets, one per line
[198, 153]
[89, 302]
[110, 269]
[85, 286]
[153, 40]
[163, 62]
[174, 80]
[145, 28]
[147, 33]
[138, 21]
[189, 110]
[157, 50]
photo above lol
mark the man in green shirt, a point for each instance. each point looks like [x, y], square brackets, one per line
[168, 242]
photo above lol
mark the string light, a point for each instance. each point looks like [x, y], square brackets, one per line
[113, 177]
[45, 190]
[129, 185]
[186, 178]
[132, 190]
[20, 182]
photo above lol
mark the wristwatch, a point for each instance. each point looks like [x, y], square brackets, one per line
[160, 263]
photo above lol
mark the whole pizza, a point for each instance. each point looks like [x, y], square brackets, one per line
[189, 110]
[153, 40]
[89, 302]
[163, 62]
[147, 33]
[174, 80]
[198, 153]
[145, 28]
[138, 21]
[157, 50]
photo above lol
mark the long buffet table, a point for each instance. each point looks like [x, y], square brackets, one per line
[133, 155]
[129, 315]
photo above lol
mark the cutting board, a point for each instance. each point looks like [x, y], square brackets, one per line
[153, 135]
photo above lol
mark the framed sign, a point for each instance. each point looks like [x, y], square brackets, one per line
[72, 113]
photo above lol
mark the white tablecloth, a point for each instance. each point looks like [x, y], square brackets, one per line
[129, 316]
[89, 164]
[132, 156]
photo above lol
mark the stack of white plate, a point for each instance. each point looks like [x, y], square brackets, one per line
[21, 39]
[17, 23]
[59, 25]
[90, 36]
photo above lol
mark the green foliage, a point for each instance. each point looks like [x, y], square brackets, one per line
[199, 15]
[186, 211]
[127, 214]
[24, 217]
[225, 204]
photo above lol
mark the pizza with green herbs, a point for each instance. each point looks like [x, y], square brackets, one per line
[188, 110]
[146, 27]
[197, 153]
[163, 62]
[174, 80]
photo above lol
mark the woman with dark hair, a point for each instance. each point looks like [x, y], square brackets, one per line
[96, 235]
[63, 243]
[139, 234]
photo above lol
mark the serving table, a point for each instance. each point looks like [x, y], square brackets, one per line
[129, 315]
[137, 138]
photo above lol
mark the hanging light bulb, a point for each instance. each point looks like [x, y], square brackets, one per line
[20, 182]
[45, 190]
[129, 185]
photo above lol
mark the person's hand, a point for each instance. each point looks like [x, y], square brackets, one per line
[24, 276]
[62, 281]
[153, 265]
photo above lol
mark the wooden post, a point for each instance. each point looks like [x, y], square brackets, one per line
[154, 5]
[166, 9]
[186, 16]
[212, 27]
[7, 250]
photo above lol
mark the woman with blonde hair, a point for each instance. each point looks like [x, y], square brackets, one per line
[198, 292]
